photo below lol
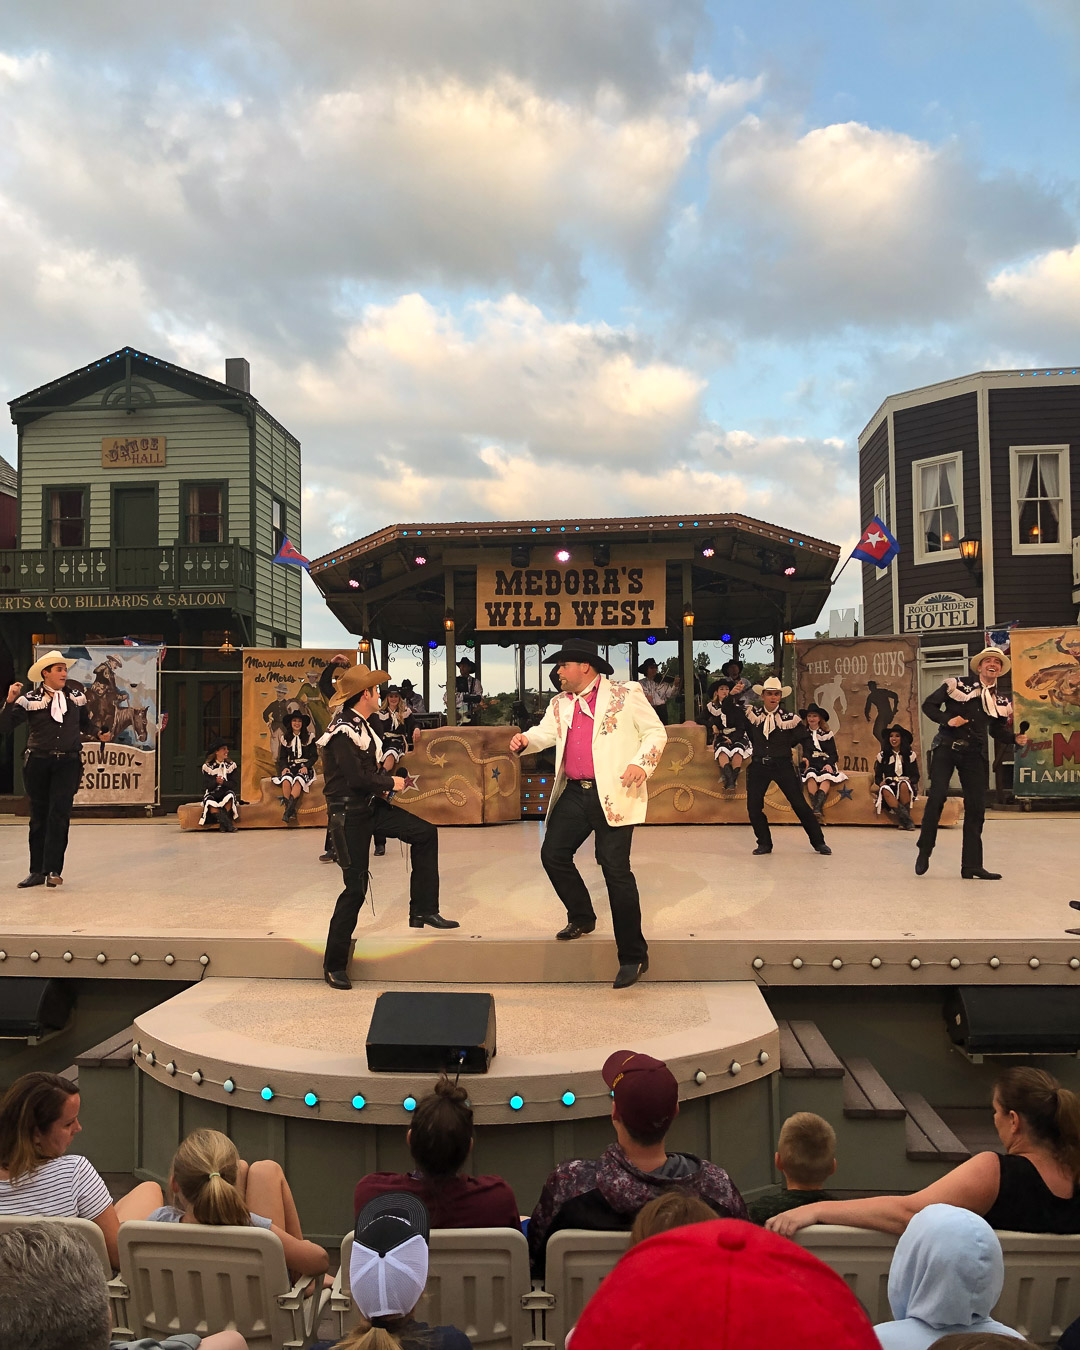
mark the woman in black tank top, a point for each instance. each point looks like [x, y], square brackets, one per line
[1032, 1187]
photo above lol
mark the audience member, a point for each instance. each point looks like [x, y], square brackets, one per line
[805, 1157]
[53, 1297]
[1030, 1188]
[675, 1209]
[212, 1185]
[724, 1285]
[947, 1273]
[387, 1274]
[607, 1192]
[39, 1117]
[440, 1139]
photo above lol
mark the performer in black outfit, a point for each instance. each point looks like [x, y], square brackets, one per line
[357, 804]
[773, 734]
[965, 709]
[820, 766]
[329, 677]
[726, 731]
[221, 799]
[395, 726]
[59, 720]
[896, 775]
[295, 762]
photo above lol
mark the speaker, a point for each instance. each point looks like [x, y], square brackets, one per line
[31, 1008]
[429, 1032]
[1014, 1020]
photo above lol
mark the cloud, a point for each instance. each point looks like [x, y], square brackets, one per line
[1039, 300]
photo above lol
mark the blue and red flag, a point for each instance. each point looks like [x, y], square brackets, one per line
[287, 554]
[877, 545]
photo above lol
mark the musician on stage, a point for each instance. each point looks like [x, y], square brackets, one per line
[468, 693]
[965, 708]
[56, 711]
[774, 733]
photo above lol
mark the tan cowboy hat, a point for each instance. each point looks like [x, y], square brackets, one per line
[773, 685]
[53, 658]
[980, 657]
[355, 680]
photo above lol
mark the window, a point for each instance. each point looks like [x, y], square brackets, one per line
[1039, 477]
[277, 522]
[204, 510]
[939, 510]
[66, 525]
[881, 511]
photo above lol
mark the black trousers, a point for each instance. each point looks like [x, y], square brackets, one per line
[51, 784]
[577, 814]
[759, 774]
[360, 825]
[971, 766]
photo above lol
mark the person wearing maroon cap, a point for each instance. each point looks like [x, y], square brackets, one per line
[725, 1285]
[606, 1193]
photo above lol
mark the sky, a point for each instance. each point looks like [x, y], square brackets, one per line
[496, 259]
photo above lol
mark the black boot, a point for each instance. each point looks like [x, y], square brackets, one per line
[727, 776]
[903, 817]
[290, 810]
[817, 805]
[226, 823]
[734, 778]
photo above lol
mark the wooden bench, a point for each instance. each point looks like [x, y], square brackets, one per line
[805, 1053]
[867, 1096]
[929, 1139]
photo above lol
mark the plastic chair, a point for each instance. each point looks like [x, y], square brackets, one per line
[95, 1238]
[1042, 1284]
[576, 1262]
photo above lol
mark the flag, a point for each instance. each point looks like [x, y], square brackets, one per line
[287, 554]
[876, 546]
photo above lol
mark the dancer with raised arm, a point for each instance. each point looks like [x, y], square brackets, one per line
[774, 733]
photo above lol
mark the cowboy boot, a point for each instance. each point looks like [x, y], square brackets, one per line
[903, 817]
[817, 803]
[735, 777]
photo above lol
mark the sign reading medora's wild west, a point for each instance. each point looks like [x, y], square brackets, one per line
[628, 593]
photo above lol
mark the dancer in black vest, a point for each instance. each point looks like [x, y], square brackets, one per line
[726, 732]
[820, 764]
[896, 776]
[395, 726]
[774, 733]
[965, 709]
[296, 762]
[59, 720]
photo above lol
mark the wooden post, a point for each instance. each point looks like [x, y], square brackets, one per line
[687, 647]
[451, 653]
[427, 676]
[521, 672]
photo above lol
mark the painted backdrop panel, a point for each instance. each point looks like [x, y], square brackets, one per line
[277, 681]
[865, 684]
[1046, 695]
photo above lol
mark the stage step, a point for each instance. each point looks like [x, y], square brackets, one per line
[805, 1053]
[107, 1088]
[867, 1096]
[929, 1139]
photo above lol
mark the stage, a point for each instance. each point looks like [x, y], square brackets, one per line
[257, 904]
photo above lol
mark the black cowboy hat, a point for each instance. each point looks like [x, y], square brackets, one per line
[220, 744]
[733, 668]
[392, 689]
[287, 720]
[466, 662]
[814, 708]
[906, 737]
[724, 680]
[649, 661]
[405, 684]
[578, 649]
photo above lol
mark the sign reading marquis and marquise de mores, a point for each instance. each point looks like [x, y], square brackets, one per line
[628, 593]
[132, 452]
[941, 610]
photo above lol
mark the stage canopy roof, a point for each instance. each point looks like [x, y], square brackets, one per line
[740, 577]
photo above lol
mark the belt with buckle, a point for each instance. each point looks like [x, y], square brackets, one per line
[587, 783]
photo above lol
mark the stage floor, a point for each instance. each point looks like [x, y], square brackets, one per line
[257, 904]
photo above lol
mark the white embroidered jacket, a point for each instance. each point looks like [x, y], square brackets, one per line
[626, 730]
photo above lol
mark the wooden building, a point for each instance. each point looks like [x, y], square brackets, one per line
[151, 500]
[988, 466]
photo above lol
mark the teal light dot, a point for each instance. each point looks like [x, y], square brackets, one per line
[267, 1094]
[568, 1099]
[229, 1085]
[359, 1102]
[310, 1099]
[409, 1103]
[516, 1102]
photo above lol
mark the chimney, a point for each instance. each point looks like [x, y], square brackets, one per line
[238, 373]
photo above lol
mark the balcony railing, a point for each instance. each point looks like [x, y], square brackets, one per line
[163, 568]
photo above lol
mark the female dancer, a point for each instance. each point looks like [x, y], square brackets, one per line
[221, 800]
[394, 726]
[296, 762]
[820, 759]
[896, 774]
[726, 732]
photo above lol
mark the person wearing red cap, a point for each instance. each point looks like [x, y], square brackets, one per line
[725, 1285]
[606, 1193]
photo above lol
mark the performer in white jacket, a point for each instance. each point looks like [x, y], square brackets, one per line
[608, 740]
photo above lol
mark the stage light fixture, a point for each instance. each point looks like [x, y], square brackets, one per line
[562, 555]
[650, 641]
[229, 1085]
[568, 1099]
[363, 647]
[601, 555]
[725, 637]
[708, 548]
[354, 584]
[267, 1094]
[419, 560]
[310, 1099]
[688, 616]
[789, 564]
[470, 642]
[520, 554]
[432, 645]
[409, 1103]
[448, 620]
[356, 576]
[788, 636]
[359, 1102]
[516, 1102]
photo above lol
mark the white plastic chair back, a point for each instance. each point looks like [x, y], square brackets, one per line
[202, 1279]
[860, 1257]
[85, 1228]
[1042, 1284]
[577, 1260]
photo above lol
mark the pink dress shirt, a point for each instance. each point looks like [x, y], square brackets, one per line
[578, 761]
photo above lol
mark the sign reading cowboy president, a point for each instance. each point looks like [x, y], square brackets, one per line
[627, 593]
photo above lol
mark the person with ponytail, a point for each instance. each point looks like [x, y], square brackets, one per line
[388, 1271]
[39, 1117]
[1033, 1187]
[211, 1184]
[440, 1139]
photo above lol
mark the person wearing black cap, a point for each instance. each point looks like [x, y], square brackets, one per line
[820, 759]
[608, 741]
[296, 762]
[726, 732]
[221, 799]
[395, 726]
[896, 776]
[468, 693]
[965, 709]
[657, 691]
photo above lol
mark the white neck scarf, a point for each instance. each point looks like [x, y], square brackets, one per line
[771, 722]
[579, 699]
[57, 704]
[296, 747]
[898, 764]
[989, 699]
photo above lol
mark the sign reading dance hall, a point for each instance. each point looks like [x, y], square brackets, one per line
[625, 594]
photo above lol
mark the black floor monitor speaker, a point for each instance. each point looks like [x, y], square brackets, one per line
[1014, 1020]
[31, 1008]
[429, 1032]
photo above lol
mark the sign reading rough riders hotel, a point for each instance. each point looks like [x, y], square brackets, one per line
[628, 593]
[942, 610]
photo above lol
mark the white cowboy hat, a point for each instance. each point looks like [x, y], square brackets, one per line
[773, 685]
[53, 658]
[980, 657]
